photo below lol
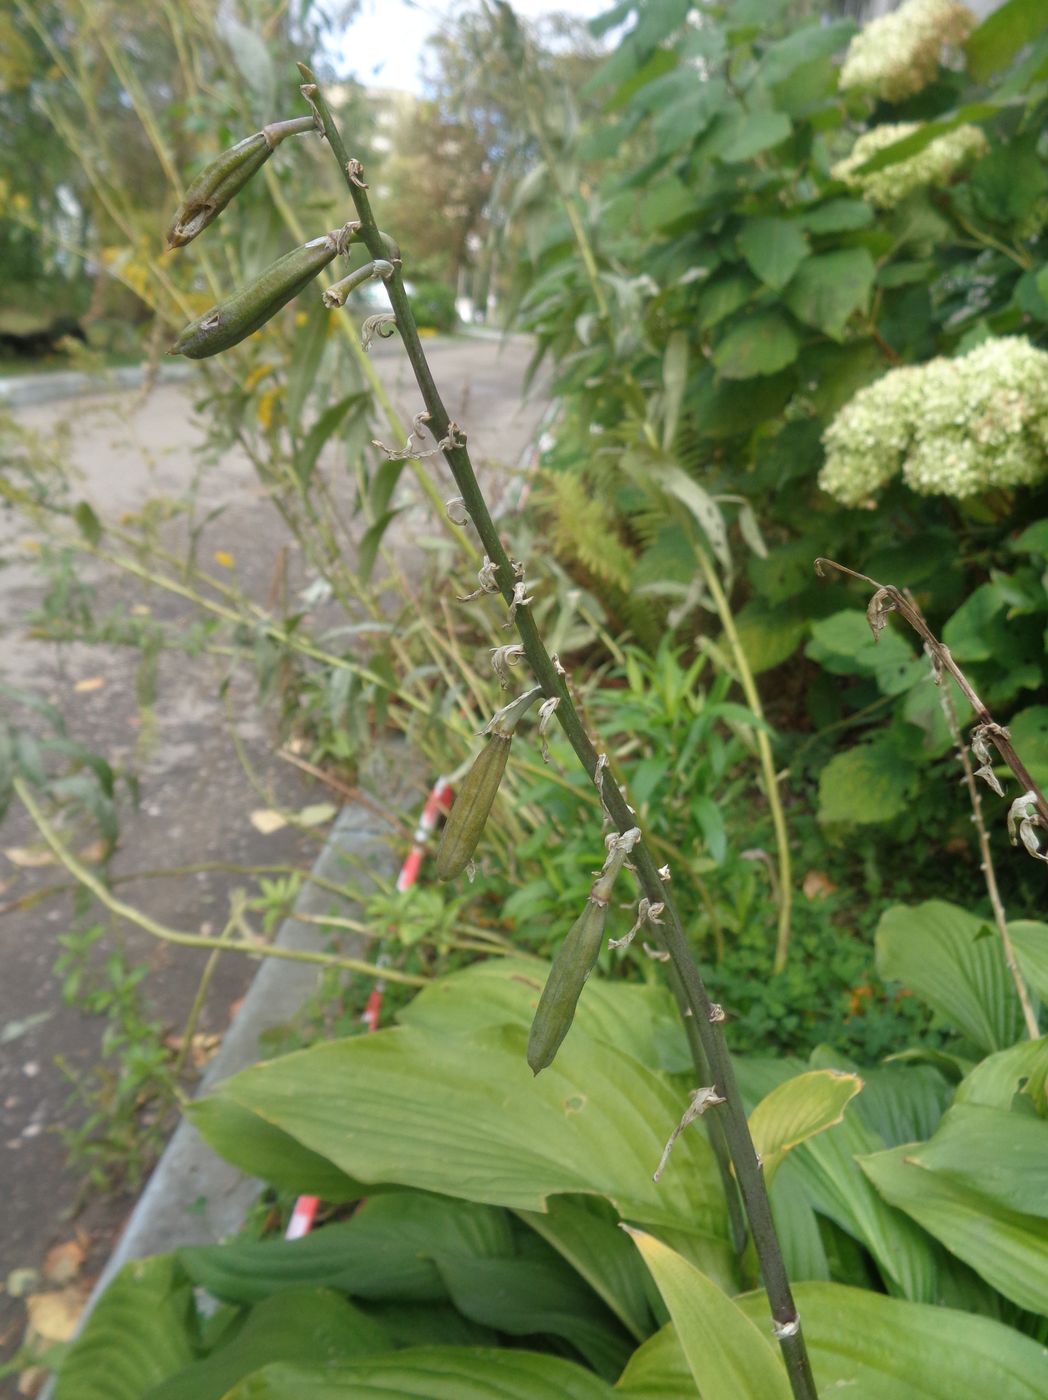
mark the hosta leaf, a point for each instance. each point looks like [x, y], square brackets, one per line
[431, 1373]
[725, 1351]
[865, 1345]
[797, 1110]
[464, 1116]
[993, 1151]
[872, 1347]
[308, 1325]
[837, 1188]
[1008, 1248]
[139, 1333]
[943, 955]
[995, 1081]
[586, 1233]
[389, 1250]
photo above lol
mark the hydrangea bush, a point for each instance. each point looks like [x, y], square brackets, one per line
[935, 165]
[899, 54]
[953, 427]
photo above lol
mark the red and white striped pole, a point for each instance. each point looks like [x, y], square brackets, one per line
[439, 800]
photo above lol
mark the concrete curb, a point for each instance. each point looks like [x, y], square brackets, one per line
[24, 389]
[193, 1195]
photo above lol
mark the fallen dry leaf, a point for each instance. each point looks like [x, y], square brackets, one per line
[64, 1262]
[29, 857]
[817, 885]
[54, 1316]
[31, 1380]
[22, 1281]
[202, 1047]
[89, 683]
[267, 821]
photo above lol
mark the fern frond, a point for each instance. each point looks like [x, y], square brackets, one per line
[583, 528]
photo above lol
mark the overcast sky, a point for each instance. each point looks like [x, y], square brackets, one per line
[383, 44]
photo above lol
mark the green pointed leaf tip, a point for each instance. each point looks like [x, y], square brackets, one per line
[726, 1353]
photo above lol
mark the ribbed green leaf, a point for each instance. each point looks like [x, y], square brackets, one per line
[431, 1373]
[870, 1347]
[837, 1188]
[997, 1079]
[389, 1250]
[943, 955]
[586, 1233]
[464, 1116]
[308, 1325]
[998, 1153]
[639, 1021]
[1006, 1247]
[139, 1334]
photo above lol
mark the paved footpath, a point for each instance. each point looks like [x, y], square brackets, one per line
[195, 796]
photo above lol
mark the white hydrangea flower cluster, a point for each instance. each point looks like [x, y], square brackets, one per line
[952, 427]
[939, 161]
[897, 55]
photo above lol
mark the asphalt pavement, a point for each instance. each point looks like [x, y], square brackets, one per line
[196, 797]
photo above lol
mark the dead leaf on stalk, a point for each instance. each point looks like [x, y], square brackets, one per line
[95, 853]
[317, 814]
[267, 821]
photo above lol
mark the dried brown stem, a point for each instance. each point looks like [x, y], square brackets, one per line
[887, 598]
[986, 863]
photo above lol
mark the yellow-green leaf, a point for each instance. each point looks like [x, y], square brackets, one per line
[797, 1110]
[725, 1351]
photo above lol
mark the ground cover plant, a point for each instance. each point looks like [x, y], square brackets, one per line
[491, 1233]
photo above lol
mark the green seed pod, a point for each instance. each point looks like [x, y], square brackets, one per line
[568, 975]
[225, 177]
[467, 818]
[249, 309]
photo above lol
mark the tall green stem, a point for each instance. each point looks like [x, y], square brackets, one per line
[707, 1017]
[771, 782]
